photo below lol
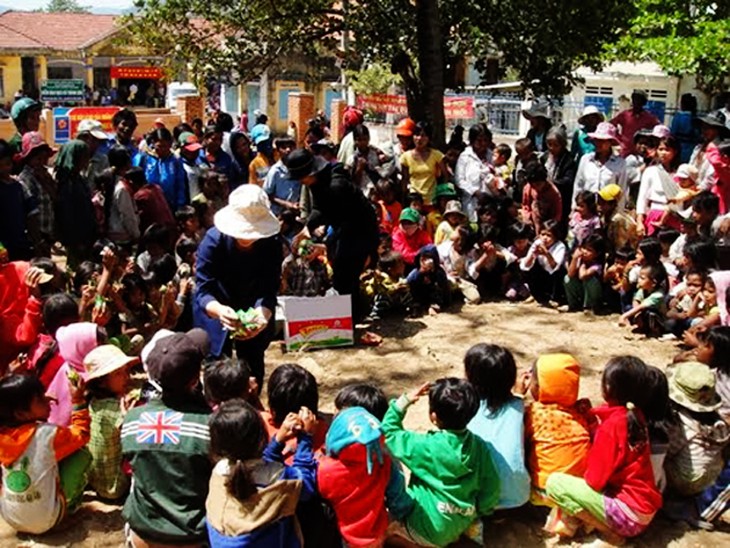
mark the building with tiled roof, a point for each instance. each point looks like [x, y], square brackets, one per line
[38, 46]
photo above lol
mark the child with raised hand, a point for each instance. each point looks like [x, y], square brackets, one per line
[583, 287]
[617, 493]
[544, 264]
[492, 371]
[43, 465]
[228, 379]
[107, 377]
[649, 304]
[356, 475]
[554, 383]
[252, 495]
[453, 479]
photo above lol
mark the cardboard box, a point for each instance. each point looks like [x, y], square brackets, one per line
[317, 322]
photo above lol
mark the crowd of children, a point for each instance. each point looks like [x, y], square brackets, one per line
[197, 458]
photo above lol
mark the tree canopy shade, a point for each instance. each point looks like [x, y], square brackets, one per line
[682, 37]
[542, 41]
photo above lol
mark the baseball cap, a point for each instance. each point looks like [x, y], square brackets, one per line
[175, 360]
[260, 133]
[411, 215]
[610, 193]
[92, 127]
[189, 141]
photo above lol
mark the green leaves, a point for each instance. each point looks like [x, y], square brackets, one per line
[683, 37]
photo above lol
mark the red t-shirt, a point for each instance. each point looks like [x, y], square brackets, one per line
[617, 470]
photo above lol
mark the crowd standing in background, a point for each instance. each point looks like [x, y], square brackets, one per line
[165, 257]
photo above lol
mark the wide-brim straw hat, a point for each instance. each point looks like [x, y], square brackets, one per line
[537, 110]
[104, 360]
[248, 215]
[692, 385]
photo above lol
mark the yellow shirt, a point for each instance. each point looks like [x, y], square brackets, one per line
[422, 174]
[257, 170]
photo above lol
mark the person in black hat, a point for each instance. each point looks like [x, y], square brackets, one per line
[339, 204]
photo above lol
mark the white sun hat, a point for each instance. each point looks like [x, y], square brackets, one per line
[248, 215]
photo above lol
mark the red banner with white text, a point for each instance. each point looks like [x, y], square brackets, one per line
[455, 108]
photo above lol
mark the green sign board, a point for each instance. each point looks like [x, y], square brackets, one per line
[63, 91]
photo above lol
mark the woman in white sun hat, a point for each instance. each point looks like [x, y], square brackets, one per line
[239, 267]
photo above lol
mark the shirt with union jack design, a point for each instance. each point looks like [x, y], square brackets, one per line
[167, 448]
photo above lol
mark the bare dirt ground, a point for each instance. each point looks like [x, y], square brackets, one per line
[418, 350]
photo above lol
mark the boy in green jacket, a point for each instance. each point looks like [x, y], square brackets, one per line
[453, 480]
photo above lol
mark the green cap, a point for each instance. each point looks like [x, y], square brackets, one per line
[410, 214]
[445, 190]
[692, 385]
[23, 105]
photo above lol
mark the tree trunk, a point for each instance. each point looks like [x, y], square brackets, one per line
[431, 67]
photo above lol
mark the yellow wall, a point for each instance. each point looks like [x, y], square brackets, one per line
[12, 76]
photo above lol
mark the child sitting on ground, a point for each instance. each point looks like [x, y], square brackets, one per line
[453, 218]
[556, 422]
[500, 161]
[492, 371]
[544, 264]
[584, 221]
[709, 314]
[583, 288]
[107, 377]
[613, 276]
[521, 236]
[43, 465]
[453, 479]
[457, 255]
[228, 379]
[697, 433]
[386, 288]
[170, 467]
[253, 495]
[305, 272]
[355, 474]
[138, 317]
[617, 494]
[649, 304]
[291, 387]
[648, 253]
[684, 307]
[713, 350]
[409, 237]
[541, 201]
[427, 282]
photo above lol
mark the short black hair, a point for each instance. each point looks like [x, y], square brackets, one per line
[156, 234]
[625, 253]
[454, 401]
[163, 269]
[59, 309]
[16, 394]
[365, 395]
[185, 246]
[226, 379]
[184, 213]
[479, 130]
[505, 151]
[702, 252]
[119, 157]
[281, 142]
[535, 172]
[668, 235]
[706, 201]
[224, 122]
[524, 144]
[553, 227]
[290, 388]
[492, 371]
[136, 176]
[124, 115]
[389, 260]
[6, 151]
[84, 272]
[521, 231]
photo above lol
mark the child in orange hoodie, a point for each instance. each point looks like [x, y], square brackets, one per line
[556, 423]
[43, 465]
